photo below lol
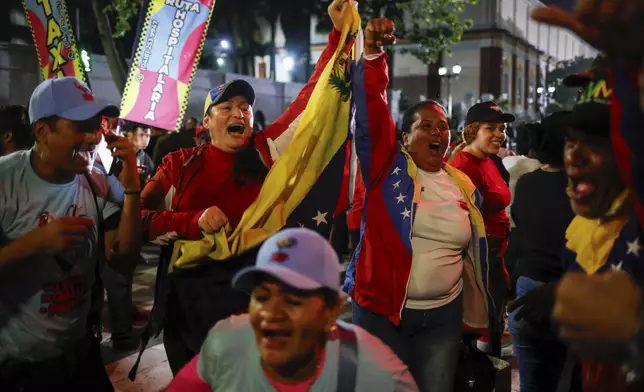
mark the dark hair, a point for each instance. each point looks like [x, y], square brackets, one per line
[553, 133]
[410, 114]
[15, 119]
[131, 126]
[524, 138]
[330, 297]
[249, 167]
[260, 120]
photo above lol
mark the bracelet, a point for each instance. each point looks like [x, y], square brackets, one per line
[132, 192]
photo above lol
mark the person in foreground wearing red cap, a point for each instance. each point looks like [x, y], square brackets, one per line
[57, 225]
[207, 188]
[291, 339]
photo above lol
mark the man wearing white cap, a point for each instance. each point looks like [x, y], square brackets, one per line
[57, 222]
[291, 338]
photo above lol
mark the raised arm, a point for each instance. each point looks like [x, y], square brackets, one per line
[281, 131]
[375, 129]
[161, 224]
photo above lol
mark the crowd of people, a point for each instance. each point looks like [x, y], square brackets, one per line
[454, 246]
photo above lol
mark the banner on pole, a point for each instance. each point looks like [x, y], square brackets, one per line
[169, 48]
[54, 39]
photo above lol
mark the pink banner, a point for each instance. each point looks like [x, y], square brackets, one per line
[166, 59]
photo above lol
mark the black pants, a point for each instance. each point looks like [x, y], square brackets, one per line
[80, 370]
[499, 290]
[197, 299]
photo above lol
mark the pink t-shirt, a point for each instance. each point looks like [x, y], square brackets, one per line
[301, 387]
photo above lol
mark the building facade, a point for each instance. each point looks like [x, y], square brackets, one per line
[505, 56]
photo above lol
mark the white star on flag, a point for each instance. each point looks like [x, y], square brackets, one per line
[634, 248]
[405, 213]
[320, 217]
[400, 198]
[396, 171]
[396, 184]
[617, 267]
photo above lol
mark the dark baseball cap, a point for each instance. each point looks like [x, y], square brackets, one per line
[224, 92]
[591, 113]
[487, 112]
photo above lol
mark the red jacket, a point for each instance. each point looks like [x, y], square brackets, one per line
[192, 180]
[354, 215]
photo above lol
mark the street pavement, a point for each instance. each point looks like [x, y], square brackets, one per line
[154, 372]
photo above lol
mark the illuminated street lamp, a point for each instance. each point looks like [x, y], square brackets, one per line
[220, 62]
[444, 73]
[224, 44]
[289, 63]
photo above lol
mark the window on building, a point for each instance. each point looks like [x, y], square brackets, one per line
[505, 89]
[507, 14]
[521, 18]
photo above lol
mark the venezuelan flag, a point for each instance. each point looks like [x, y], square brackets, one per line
[627, 123]
[304, 185]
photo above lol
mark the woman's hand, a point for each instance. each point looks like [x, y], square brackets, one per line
[611, 26]
[379, 32]
[212, 220]
[338, 11]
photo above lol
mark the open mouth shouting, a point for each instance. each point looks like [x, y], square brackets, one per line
[236, 129]
[275, 338]
[580, 189]
[435, 147]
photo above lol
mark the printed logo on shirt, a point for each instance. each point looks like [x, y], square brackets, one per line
[63, 297]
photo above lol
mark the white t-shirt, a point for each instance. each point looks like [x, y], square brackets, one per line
[441, 232]
[229, 362]
[44, 302]
[516, 167]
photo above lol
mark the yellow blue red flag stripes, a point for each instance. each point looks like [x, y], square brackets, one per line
[319, 143]
[627, 123]
[54, 39]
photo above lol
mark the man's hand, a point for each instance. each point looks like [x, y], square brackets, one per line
[603, 307]
[129, 177]
[61, 234]
[338, 10]
[212, 220]
[535, 306]
[611, 26]
[379, 32]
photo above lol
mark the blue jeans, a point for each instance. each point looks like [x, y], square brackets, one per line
[427, 341]
[540, 355]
